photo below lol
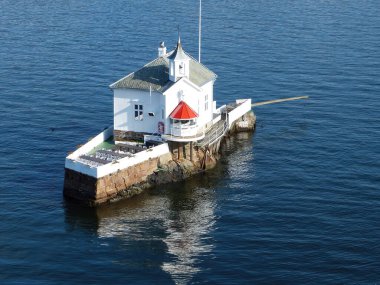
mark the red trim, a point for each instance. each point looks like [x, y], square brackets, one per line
[183, 112]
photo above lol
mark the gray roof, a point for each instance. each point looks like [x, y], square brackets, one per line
[155, 75]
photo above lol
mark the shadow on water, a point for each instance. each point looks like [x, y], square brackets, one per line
[180, 216]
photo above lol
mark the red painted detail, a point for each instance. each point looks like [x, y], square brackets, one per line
[183, 112]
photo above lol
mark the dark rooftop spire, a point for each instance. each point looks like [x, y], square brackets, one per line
[179, 35]
[178, 53]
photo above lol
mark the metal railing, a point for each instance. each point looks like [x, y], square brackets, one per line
[183, 130]
[214, 134]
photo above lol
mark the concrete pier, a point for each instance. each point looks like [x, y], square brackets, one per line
[93, 182]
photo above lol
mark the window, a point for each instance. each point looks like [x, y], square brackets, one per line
[206, 102]
[138, 112]
[181, 95]
[171, 68]
[182, 68]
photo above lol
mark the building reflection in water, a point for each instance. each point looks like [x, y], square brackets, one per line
[188, 237]
[171, 224]
[181, 216]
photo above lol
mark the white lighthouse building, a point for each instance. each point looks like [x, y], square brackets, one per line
[171, 96]
[166, 127]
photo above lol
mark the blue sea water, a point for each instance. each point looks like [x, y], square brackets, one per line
[297, 202]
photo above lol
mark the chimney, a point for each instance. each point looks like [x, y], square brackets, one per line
[162, 50]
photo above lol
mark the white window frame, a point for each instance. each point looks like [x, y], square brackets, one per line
[172, 68]
[139, 112]
[206, 102]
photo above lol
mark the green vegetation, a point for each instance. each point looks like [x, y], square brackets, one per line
[108, 144]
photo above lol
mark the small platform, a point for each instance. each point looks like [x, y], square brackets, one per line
[184, 139]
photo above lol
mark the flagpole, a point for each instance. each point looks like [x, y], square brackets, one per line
[200, 30]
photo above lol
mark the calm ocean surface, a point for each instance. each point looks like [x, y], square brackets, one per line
[297, 202]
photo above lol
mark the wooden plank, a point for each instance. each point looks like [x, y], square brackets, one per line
[279, 101]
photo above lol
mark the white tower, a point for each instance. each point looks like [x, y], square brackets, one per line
[179, 63]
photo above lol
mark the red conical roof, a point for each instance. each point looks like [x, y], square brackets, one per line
[183, 112]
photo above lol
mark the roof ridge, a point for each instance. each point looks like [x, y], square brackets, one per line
[154, 75]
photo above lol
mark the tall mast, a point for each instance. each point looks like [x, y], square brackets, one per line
[200, 30]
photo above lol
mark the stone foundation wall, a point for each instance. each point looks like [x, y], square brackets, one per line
[243, 124]
[94, 191]
[128, 136]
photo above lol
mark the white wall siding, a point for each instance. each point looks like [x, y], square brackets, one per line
[124, 110]
[91, 144]
[81, 168]
[121, 164]
[77, 166]
[239, 111]
[193, 96]
[103, 170]
[126, 162]
[208, 88]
